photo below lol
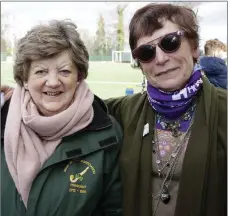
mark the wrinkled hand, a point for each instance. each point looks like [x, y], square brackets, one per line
[8, 91]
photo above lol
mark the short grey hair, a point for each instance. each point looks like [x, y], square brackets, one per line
[48, 40]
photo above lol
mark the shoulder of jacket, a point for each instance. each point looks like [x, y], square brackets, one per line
[113, 150]
[222, 95]
[117, 128]
[222, 104]
[133, 100]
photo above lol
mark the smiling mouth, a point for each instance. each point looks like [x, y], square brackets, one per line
[52, 94]
[166, 72]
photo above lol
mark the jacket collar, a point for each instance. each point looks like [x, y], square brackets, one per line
[207, 89]
[101, 119]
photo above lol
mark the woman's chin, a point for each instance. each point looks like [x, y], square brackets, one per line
[170, 85]
[51, 110]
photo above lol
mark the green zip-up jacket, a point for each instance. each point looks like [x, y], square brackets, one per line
[203, 185]
[81, 178]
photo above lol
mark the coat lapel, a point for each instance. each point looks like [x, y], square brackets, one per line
[135, 160]
[146, 164]
[192, 181]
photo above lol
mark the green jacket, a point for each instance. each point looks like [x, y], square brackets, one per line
[81, 178]
[203, 184]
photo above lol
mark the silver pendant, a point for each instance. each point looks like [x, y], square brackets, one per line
[158, 161]
[165, 196]
[164, 125]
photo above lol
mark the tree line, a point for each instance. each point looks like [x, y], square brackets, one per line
[106, 39]
[108, 36]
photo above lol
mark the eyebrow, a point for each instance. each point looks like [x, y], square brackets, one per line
[64, 64]
[33, 67]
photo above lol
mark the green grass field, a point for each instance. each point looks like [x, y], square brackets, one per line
[105, 79]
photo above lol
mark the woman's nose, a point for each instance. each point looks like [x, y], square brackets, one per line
[161, 57]
[53, 81]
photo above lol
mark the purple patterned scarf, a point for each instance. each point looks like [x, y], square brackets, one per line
[174, 104]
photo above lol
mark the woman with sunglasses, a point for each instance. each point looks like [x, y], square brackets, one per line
[173, 159]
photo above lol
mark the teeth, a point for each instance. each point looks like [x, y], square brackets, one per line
[52, 93]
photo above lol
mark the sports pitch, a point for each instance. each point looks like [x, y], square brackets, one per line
[106, 79]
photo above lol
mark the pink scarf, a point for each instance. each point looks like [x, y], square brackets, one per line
[30, 139]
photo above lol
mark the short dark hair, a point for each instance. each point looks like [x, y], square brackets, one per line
[48, 40]
[150, 18]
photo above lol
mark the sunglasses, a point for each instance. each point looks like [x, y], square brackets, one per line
[169, 43]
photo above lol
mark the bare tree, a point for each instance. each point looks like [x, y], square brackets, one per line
[4, 31]
[120, 27]
[8, 36]
[87, 39]
[115, 20]
[193, 5]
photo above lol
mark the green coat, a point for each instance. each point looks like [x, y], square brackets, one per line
[55, 192]
[203, 184]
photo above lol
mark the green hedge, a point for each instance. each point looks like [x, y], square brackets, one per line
[100, 58]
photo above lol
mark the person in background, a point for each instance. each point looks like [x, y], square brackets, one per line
[216, 48]
[6, 93]
[212, 63]
[59, 147]
[174, 154]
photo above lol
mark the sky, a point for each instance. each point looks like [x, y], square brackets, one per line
[23, 15]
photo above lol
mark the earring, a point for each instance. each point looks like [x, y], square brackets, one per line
[26, 86]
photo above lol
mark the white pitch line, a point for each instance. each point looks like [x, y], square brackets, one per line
[117, 83]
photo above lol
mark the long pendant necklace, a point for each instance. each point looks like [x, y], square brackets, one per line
[164, 194]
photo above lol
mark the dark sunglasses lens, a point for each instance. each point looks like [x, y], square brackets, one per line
[145, 53]
[170, 43]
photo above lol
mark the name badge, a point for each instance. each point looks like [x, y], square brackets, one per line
[146, 129]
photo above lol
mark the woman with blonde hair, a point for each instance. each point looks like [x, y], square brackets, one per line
[213, 63]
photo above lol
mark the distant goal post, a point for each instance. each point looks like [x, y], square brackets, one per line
[122, 56]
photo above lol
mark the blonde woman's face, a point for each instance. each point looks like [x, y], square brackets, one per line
[52, 83]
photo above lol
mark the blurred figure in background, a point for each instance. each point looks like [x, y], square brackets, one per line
[6, 93]
[213, 63]
[215, 48]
